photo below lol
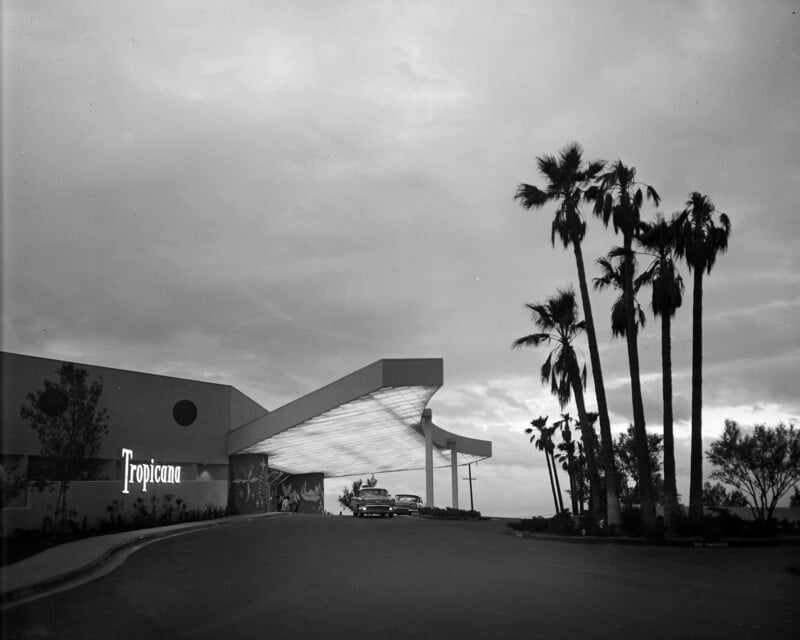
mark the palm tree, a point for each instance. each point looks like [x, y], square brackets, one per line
[567, 458]
[618, 198]
[544, 443]
[558, 320]
[567, 180]
[659, 238]
[701, 236]
[612, 270]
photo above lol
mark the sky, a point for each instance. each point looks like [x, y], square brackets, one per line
[272, 195]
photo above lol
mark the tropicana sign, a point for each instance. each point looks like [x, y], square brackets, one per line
[144, 473]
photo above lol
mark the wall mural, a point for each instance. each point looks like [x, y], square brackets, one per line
[257, 488]
[250, 490]
[308, 489]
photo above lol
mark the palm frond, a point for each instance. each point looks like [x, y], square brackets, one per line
[546, 370]
[549, 168]
[619, 321]
[647, 276]
[594, 168]
[653, 195]
[531, 197]
[637, 199]
[533, 340]
[539, 422]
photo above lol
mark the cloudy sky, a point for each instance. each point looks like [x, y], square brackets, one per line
[272, 195]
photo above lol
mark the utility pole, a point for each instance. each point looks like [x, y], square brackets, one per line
[471, 504]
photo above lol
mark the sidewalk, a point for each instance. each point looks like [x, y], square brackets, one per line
[75, 562]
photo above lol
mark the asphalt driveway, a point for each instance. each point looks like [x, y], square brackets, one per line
[343, 577]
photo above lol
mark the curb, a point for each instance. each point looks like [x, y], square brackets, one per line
[12, 596]
[685, 543]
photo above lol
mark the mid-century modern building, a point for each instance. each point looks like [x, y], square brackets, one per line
[209, 445]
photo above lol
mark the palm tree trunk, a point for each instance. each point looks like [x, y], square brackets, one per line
[573, 486]
[588, 436]
[552, 484]
[647, 502]
[670, 487]
[696, 468]
[612, 485]
[558, 484]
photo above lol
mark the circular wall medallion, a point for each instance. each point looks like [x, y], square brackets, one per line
[53, 402]
[184, 412]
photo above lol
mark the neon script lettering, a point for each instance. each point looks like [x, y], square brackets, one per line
[144, 473]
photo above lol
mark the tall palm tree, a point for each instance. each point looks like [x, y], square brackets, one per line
[567, 179]
[558, 320]
[702, 234]
[541, 436]
[618, 198]
[659, 239]
[567, 458]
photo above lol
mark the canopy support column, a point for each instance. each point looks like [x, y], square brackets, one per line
[427, 429]
[454, 472]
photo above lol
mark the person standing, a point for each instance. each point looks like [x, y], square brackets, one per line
[295, 499]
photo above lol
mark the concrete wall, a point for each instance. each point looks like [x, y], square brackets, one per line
[140, 408]
[92, 499]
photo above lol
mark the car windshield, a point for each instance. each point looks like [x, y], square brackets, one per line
[371, 491]
[408, 498]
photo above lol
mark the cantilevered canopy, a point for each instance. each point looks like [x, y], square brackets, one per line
[368, 421]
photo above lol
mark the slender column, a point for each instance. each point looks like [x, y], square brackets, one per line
[427, 429]
[454, 472]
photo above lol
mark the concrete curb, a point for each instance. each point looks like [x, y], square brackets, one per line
[128, 539]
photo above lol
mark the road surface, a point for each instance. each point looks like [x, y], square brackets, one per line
[337, 577]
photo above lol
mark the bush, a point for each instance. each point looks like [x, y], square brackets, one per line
[719, 523]
[631, 522]
[448, 513]
[560, 525]
[537, 524]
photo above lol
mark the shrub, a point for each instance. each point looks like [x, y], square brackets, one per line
[562, 524]
[448, 513]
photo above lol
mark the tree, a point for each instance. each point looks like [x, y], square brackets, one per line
[567, 181]
[558, 319]
[701, 235]
[70, 425]
[11, 485]
[795, 500]
[348, 493]
[764, 465]
[630, 486]
[542, 437]
[569, 462]
[717, 495]
[659, 238]
[613, 275]
[618, 199]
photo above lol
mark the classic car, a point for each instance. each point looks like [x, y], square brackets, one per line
[372, 501]
[407, 503]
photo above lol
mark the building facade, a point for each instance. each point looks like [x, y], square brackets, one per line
[175, 443]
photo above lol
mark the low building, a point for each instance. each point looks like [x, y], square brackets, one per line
[195, 445]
